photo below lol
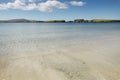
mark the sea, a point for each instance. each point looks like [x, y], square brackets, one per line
[25, 38]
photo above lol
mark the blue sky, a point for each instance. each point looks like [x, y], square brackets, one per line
[59, 9]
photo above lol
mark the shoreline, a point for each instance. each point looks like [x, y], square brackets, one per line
[60, 21]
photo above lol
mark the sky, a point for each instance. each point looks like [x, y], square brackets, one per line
[59, 9]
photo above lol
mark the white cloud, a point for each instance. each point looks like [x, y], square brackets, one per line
[77, 3]
[17, 4]
[31, 0]
[46, 6]
[41, 5]
[50, 5]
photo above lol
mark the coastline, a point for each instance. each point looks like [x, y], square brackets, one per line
[60, 21]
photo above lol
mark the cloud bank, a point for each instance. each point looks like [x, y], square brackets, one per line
[41, 5]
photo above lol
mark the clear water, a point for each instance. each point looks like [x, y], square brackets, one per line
[19, 38]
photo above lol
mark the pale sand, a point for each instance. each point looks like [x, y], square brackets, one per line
[75, 62]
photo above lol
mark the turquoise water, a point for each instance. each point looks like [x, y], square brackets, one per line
[19, 38]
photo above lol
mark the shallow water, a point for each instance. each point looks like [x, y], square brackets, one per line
[17, 38]
[97, 45]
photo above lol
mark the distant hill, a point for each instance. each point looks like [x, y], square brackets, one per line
[18, 20]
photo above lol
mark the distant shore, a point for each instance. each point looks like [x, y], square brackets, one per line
[59, 21]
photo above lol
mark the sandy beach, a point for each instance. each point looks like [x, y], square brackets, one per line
[95, 61]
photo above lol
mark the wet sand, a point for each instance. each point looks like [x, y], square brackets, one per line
[94, 61]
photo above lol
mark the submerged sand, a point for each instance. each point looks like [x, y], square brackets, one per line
[95, 60]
